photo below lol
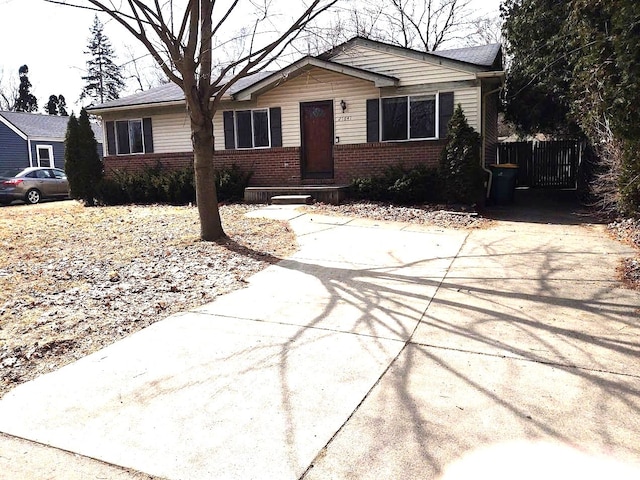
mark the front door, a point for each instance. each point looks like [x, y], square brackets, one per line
[316, 122]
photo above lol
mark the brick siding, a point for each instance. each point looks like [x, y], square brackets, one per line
[281, 166]
[371, 159]
[137, 163]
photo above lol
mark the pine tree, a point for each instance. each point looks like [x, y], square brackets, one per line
[26, 101]
[57, 105]
[82, 163]
[460, 169]
[62, 106]
[51, 107]
[104, 77]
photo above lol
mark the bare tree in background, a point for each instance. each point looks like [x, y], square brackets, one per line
[144, 73]
[182, 39]
[424, 25]
[484, 30]
[8, 91]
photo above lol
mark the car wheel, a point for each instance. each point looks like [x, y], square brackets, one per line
[32, 197]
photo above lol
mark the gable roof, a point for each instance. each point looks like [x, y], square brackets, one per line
[477, 59]
[36, 125]
[170, 93]
[481, 57]
[297, 68]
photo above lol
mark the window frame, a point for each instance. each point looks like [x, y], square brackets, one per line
[408, 98]
[236, 128]
[49, 148]
[130, 133]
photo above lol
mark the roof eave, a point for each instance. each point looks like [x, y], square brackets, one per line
[491, 74]
[100, 110]
[13, 128]
[272, 81]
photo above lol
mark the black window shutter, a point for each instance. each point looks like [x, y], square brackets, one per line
[373, 120]
[229, 131]
[446, 112]
[276, 126]
[111, 138]
[147, 131]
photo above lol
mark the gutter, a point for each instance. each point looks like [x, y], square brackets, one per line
[170, 103]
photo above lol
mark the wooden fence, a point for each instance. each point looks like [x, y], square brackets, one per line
[550, 164]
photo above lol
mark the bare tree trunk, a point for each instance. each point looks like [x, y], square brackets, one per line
[206, 194]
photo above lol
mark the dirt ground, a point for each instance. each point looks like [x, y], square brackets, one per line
[74, 279]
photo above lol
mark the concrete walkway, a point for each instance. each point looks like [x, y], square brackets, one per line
[379, 350]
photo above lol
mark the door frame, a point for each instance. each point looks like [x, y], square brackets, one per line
[322, 175]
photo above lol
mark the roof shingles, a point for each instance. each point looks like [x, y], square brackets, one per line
[44, 126]
[485, 56]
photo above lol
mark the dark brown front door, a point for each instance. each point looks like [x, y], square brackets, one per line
[316, 121]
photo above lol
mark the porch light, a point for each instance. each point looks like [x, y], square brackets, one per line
[343, 105]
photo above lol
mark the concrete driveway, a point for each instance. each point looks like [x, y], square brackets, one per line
[379, 350]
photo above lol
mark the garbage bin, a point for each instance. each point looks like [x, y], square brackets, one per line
[503, 182]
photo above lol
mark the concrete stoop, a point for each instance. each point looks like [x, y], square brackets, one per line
[333, 194]
[291, 200]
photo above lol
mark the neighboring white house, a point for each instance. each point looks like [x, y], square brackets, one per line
[347, 113]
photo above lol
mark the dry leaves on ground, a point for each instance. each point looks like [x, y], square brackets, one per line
[75, 279]
[628, 230]
[438, 215]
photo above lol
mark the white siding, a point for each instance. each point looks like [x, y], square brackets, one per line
[409, 71]
[315, 85]
[469, 98]
[171, 133]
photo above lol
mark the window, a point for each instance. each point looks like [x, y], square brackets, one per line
[45, 155]
[260, 128]
[129, 137]
[394, 118]
[125, 137]
[409, 117]
[406, 118]
[252, 128]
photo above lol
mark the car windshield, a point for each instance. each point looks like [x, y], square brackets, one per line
[10, 172]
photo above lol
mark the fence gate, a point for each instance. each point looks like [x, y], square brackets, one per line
[551, 164]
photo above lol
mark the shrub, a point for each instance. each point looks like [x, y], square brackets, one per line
[82, 164]
[629, 182]
[460, 170]
[158, 185]
[398, 185]
[231, 182]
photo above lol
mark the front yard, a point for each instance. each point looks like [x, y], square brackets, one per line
[75, 279]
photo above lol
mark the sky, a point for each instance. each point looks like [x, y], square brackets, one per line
[51, 39]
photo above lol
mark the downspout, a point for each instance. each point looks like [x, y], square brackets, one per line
[483, 154]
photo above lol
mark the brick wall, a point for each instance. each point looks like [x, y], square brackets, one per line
[281, 166]
[371, 159]
[270, 166]
[137, 163]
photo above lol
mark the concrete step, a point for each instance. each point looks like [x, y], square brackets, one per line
[291, 200]
[320, 193]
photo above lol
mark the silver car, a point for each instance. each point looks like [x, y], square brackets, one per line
[33, 184]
